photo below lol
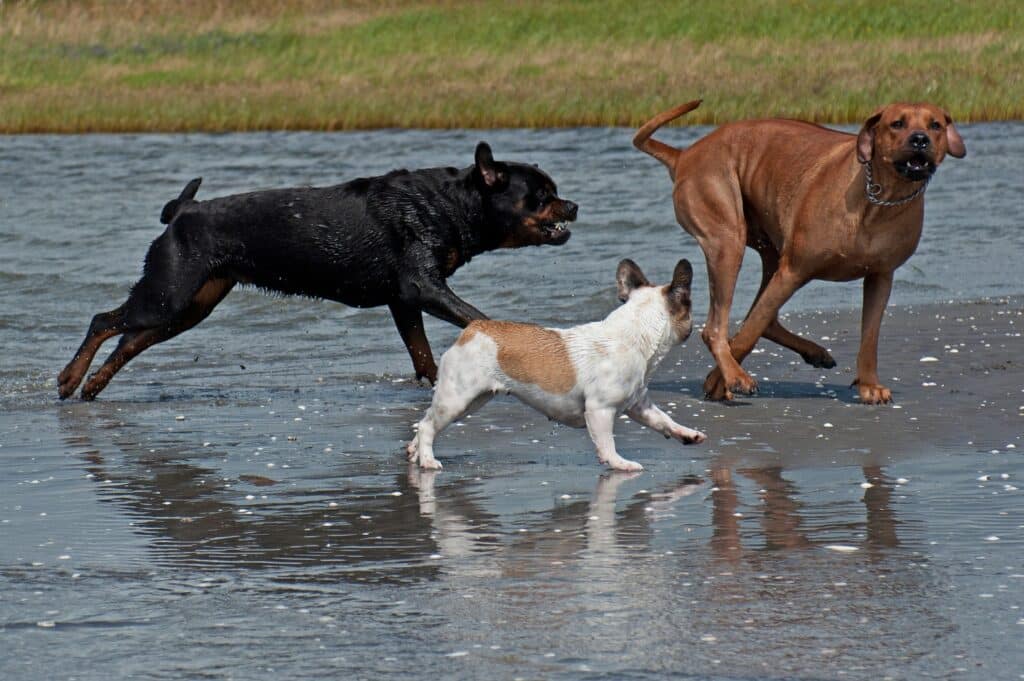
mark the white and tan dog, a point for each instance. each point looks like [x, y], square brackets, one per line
[582, 376]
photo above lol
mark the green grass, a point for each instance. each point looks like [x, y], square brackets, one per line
[312, 64]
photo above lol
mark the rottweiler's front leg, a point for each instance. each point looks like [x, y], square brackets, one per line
[409, 321]
[434, 297]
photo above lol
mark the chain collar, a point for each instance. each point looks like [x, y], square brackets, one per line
[873, 190]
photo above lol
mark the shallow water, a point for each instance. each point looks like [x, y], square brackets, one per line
[235, 505]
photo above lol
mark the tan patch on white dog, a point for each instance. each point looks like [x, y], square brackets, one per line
[528, 353]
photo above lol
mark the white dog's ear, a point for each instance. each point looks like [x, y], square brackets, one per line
[629, 277]
[679, 289]
[866, 137]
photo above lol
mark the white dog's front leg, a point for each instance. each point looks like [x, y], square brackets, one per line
[600, 423]
[647, 413]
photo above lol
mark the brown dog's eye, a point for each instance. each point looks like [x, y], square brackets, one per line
[935, 125]
[896, 125]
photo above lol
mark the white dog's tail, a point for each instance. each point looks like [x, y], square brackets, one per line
[659, 150]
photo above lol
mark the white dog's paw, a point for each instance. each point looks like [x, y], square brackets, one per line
[625, 465]
[430, 464]
[411, 451]
[688, 436]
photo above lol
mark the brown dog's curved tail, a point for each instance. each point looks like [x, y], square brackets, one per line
[659, 150]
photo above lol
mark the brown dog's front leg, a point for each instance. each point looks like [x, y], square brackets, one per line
[877, 287]
[409, 321]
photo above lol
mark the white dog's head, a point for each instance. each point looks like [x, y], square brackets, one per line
[674, 297]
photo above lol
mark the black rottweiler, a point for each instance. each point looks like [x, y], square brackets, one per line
[389, 240]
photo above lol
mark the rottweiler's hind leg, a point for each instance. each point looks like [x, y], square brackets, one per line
[134, 342]
[104, 326]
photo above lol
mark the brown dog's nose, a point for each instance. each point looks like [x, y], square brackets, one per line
[919, 141]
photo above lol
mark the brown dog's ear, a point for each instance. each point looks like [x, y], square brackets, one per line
[487, 167]
[954, 142]
[679, 288]
[628, 277]
[866, 137]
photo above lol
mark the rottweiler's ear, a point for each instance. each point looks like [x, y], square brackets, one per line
[486, 166]
[679, 288]
[954, 142]
[628, 277]
[866, 137]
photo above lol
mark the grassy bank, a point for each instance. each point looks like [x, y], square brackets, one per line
[131, 65]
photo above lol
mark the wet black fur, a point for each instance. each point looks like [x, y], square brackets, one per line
[388, 240]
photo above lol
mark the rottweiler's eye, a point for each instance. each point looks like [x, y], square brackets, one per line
[935, 125]
[541, 194]
[897, 124]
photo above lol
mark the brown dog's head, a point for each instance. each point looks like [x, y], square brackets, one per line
[521, 203]
[913, 138]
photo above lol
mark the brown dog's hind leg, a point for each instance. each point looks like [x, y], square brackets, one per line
[103, 326]
[811, 352]
[409, 321]
[783, 284]
[134, 342]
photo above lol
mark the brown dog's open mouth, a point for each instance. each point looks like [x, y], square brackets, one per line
[916, 167]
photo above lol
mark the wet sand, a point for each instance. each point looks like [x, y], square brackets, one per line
[246, 530]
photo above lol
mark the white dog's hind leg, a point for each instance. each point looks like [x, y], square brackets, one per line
[647, 413]
[600, 422]
[451, 401]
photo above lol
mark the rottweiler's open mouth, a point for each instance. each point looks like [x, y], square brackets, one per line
[556, 232]
[916, 167]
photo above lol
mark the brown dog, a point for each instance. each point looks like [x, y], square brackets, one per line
[815, 204]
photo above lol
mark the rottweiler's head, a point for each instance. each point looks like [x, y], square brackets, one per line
[521, 203]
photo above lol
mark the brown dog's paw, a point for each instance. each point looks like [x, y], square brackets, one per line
[716, 388]
[819, 359]
[874, 393]
[743, 384]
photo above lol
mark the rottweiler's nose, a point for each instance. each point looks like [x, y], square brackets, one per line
[570, 210]
[919, 141]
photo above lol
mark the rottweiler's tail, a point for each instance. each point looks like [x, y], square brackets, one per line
[659, 150]
[188, 195]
